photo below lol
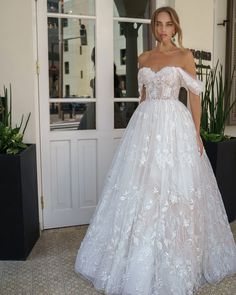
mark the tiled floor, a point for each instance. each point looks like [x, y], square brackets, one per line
[49, 269]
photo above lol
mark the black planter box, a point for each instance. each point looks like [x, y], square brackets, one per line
[222, 156]
[19, 216]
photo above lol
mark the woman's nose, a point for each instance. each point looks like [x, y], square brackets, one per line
[163, 29]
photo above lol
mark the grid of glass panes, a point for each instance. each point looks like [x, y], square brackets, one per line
[71, 59]
[132, 36]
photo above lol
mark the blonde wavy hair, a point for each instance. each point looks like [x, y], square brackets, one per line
[174, 18]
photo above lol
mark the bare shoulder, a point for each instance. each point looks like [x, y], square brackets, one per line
[188, 61]
[187, 54]
[143, 57]
[184, 53]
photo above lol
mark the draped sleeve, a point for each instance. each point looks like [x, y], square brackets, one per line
[189, 82]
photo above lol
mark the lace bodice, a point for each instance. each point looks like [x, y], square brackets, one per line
[165, 84]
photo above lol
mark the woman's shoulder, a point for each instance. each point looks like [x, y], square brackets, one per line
[185, 58]
[187, 53]
[143, 57]
[188, 62]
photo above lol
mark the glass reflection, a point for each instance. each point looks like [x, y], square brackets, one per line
[72, 116]
[71, 66]
[130, 40]
[123, 112]
[134, 8]
[79, 7]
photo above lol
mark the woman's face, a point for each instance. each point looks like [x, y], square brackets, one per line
[164, 27]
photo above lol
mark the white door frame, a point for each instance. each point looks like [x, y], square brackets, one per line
[105, 136]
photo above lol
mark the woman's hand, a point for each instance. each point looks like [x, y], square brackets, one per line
[200, 144]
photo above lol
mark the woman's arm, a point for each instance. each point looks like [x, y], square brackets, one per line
[195, 106]
[141, 62]
[195, 103]
[142, 95]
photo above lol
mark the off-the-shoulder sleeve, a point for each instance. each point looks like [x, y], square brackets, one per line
[193, 84]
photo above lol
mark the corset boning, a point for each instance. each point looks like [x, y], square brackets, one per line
[161, 91]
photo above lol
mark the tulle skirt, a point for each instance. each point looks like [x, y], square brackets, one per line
[160, 226]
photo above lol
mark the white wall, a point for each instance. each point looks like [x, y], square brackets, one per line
[17, 59]
[199, 21]
[230, 130]
[219, 40]
[196, 18]
[18, 65]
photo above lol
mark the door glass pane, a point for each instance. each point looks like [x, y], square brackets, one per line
[72, 116]
[134, 8]
[78, 7]
[130, 40]
[123, 112]
[71, 57]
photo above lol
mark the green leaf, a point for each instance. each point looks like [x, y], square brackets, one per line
[11, 139]
[215, 103]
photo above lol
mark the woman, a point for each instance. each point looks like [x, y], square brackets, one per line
[160, 227]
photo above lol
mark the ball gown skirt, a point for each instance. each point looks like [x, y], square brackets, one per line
[160, 227]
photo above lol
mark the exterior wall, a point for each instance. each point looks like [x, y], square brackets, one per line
[197, 18]
[220, 12]
[230, 130]
[18, 59]
[18, 55]
[199, 21]
[79, 61]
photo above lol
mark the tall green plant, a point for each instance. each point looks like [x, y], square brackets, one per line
[11, 138]
[216, 105]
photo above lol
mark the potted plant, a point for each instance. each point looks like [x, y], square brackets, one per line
[19, 216]
[220, 148]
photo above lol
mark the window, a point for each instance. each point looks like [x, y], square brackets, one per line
[131, 38]
[67, 90]
[71, 46]
[65, 22]
[66, 45]
[67, 67]
[122, 56]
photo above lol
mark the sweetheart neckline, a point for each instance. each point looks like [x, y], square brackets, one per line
[165, 67]
[149, 68]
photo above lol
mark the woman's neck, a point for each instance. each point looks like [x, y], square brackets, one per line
[166, 47]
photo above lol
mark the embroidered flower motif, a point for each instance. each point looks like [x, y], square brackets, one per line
[161, 216]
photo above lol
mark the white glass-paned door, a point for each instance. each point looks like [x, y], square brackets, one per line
[70, 141]
[87, 53]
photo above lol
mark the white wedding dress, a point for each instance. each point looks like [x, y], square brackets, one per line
[160, 227]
